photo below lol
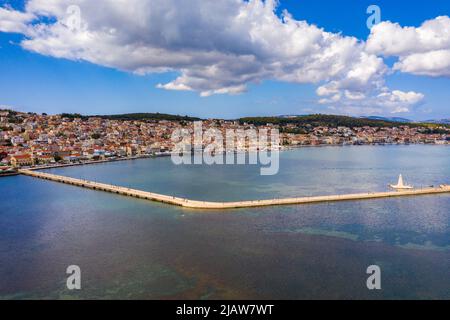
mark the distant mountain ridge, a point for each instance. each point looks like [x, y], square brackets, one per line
[441, 121]
[389, 119]
[302, 120]
[384, 119]
[377, 118]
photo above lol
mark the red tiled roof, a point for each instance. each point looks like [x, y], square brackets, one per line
[21, 156]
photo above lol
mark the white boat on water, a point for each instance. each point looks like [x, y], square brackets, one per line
[401, 185]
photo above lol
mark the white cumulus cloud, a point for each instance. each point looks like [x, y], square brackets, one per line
[424, 50]
[217, 47]
[14, 21]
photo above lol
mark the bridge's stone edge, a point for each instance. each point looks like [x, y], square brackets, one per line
[195, 204]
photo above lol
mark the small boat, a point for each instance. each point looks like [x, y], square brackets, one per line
[400, 185]
[6, 172]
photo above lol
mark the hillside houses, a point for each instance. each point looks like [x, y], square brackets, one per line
[29, 139]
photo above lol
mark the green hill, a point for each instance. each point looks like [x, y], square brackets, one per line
[317, 120]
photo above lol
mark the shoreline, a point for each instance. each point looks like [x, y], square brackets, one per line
[293, 147]
[168, 154]
[9, 174]
[64, 165]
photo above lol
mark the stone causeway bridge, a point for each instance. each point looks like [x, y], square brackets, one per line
[195, 204]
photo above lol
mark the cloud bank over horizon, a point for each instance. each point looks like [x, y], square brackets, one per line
[221, 46]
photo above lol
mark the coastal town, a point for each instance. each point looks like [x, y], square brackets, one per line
[30, 139]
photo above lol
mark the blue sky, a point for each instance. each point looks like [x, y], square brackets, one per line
[35, 82]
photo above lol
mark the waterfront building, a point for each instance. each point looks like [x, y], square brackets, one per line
[45, 159]
[21, 160]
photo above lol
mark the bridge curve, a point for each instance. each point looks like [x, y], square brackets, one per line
[196, 204]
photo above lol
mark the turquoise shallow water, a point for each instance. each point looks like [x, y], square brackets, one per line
[130, 248]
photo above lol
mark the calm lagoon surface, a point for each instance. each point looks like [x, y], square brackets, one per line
[136, 249]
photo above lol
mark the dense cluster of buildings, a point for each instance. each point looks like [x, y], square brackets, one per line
[28, 139]
[367, 135]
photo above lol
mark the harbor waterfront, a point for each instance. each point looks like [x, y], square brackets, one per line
[129, 248]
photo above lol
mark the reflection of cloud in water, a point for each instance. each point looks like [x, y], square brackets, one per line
[421, 221]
